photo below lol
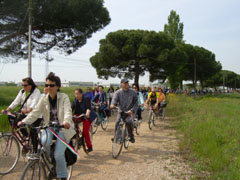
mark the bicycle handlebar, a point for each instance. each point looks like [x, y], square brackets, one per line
[80, 116]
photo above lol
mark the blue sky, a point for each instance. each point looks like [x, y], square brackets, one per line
[212, 24]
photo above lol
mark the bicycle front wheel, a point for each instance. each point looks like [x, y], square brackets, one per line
[34, 170]
[104, 123]
[94, 126]
[117, 142]
[150, 122]
[9, 153]
[69, 170]
[126, 139]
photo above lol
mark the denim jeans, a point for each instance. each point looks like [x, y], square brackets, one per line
[59, 153]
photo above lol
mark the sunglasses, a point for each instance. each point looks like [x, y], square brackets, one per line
[50, 85]
[25, 85]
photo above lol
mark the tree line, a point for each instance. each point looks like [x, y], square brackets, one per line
[164, 54]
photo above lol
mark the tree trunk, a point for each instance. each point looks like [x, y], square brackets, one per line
[137, 72]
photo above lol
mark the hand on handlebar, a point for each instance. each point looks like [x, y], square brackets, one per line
[66, 125]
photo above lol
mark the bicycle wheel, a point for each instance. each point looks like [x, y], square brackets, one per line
[126, 139]
[104, 123]
[34, 170]
[153, 119]
[94, 126]
[150, 122]
[117, 142]
[9, 153]
[69, 170]
[137, 127]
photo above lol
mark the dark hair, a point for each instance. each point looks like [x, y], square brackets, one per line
[100, 86]
[30, 82]
[79, 90]
[52, 77]
[136, 86]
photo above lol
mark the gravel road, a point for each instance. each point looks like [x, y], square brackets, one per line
[154, 156]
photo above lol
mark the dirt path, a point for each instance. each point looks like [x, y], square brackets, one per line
[154, 156]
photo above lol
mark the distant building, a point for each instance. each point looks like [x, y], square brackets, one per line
[77, 83]
[40, 83]
[2, 83]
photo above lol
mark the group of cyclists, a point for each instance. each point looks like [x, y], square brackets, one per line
[54, 106]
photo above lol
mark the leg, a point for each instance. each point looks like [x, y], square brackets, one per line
[129, 124]
[34, 135]
[139, 113]
[86, 133]
[59, 155]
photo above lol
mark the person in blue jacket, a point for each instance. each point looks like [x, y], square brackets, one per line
[101, 98]
[82, 105]
[89, 93]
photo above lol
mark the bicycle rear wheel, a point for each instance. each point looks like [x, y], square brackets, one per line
[118, 142]
[34, 170]
[94, 126]
[104, 123]
[9, 153]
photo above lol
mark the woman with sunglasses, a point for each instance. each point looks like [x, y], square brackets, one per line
[55, 107]
[27, 98]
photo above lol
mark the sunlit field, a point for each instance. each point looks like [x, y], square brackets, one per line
[211, 133]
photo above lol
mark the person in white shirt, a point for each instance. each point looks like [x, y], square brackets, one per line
[27, 98]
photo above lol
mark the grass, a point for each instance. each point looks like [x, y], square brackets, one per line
[9, 93]
[210, 128]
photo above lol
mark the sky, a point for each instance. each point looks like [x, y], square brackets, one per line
[212, 24]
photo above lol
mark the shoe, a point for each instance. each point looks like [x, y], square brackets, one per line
[90, 149]
[132, 139]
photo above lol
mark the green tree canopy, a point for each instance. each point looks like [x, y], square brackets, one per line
[61, 24]
[206, 65]
[130, 53]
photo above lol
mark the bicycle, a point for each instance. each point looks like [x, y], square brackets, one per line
[79, 140]
[104, 122]
[121, 136]
[10, 145]
[152, 116]
[41, 166]
[161, 111]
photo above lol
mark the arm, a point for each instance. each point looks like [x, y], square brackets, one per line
[16, 102]
[34, 115]
[115, 99]
[67, 121]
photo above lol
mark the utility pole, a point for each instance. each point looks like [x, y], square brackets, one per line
[223, 81]
[30, 40]
[195, 74]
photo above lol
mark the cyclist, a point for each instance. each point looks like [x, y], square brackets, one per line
[82, 105]
[110, 94]
[161, 100]
[128, 102]
[140, 102]
[101, 98]
[27, 97]
[55, 107]
[89, 93]
[153, 99]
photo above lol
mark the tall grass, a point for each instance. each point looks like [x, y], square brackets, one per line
[211, 132]
[9, 93]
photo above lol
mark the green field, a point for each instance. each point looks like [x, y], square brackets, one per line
[209, 129]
